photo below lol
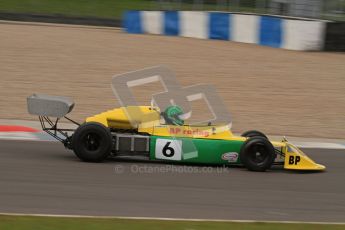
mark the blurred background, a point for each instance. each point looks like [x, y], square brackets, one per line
[50, 58]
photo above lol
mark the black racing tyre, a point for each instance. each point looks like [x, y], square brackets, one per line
[92, 142]
[253, 133]
[257, 154]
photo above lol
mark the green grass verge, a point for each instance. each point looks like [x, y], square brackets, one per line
[58, 223]
[85, 8]
[112, 9]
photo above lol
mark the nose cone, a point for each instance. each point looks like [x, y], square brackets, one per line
[297, 160]
[320, 167]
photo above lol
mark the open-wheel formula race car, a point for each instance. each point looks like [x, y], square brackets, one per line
[161, 131]
[165, 137]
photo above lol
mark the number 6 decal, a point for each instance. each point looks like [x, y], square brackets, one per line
[169, 149]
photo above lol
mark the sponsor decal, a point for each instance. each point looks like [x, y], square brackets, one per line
[189, 132]
[230, 157]
[294, 160]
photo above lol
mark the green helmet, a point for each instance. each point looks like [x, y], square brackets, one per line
[171, 115]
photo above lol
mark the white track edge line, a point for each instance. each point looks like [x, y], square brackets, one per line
[171, 219]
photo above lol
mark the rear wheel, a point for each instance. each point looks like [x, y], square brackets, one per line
[253, 133]
[92, 142]
[257, 154]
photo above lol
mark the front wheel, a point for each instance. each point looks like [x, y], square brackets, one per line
[257, 154]
[92, 142]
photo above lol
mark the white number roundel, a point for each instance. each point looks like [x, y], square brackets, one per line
[169, 149]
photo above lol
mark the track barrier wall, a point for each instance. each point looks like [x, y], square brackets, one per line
[335, 36]
[292, 34]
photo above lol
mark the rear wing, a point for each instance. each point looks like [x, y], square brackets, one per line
[51, 106]
[50, 109]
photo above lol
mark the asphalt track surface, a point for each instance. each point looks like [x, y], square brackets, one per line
[43, 177]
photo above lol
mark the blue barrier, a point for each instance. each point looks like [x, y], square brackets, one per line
[171, 23]
[132, 22]
[270, 31]
[219, 26]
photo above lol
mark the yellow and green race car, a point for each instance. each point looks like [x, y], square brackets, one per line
[163, 136]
